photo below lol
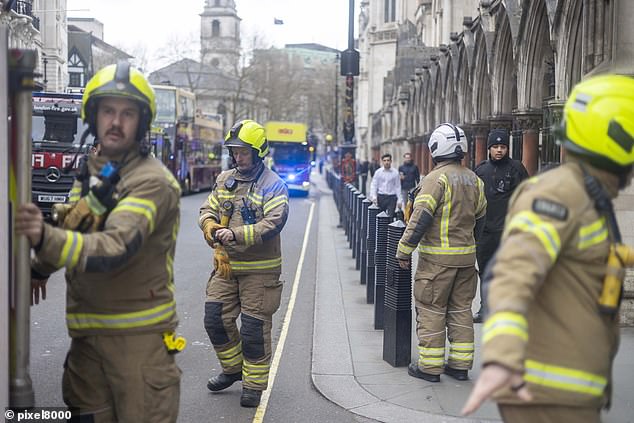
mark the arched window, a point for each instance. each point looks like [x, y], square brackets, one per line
[215, 28]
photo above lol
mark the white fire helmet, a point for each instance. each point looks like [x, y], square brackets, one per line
[447, 142]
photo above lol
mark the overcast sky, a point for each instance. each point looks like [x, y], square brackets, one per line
[159, 21]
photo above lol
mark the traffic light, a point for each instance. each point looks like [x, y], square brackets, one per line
[350, 62]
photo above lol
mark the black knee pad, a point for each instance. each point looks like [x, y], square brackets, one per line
[213, 323]
[252, 333]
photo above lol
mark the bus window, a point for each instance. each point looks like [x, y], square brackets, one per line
[165, 105]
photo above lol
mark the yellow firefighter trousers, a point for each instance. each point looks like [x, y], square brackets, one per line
[548, 414]
[122, 378]
[443, 297]
[255, 297]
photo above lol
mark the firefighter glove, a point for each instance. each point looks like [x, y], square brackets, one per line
[209, 229]
[81, 218]
[221, 262]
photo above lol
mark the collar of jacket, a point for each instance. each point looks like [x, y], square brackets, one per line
[95, 163]
[608, 180]
[252, 174]
[500, 162]
[446, 163]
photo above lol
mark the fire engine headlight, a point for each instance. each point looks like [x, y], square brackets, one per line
[305, 184]
[291, 177]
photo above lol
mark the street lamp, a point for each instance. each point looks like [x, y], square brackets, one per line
[337, 98]
[349, 69]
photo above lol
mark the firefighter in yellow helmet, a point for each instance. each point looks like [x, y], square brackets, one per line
[117, 244]
[448, 215]
[245, 213]
[552, 333]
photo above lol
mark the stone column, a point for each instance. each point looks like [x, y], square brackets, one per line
[430, 162]
[417, 153]
[425, 156]
[529, 122]
[481, 132]
[551, 152]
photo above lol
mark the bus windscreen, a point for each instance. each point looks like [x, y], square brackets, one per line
[290, 154]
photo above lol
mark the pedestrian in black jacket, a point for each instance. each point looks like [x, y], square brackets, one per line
[501, 175]
[410, 176]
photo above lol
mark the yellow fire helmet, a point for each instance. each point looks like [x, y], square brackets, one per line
[248, 133]
[120, 80]
[598, 122]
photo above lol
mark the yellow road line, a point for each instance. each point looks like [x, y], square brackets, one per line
[275, 363]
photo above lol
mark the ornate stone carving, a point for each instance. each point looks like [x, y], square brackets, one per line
[480, 129]
[529, 120]
[501, 121]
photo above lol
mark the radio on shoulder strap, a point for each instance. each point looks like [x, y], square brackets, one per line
[621, 255]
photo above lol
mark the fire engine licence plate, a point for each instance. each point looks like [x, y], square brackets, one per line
[51, 198]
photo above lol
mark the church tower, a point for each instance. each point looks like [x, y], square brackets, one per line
[220, 35]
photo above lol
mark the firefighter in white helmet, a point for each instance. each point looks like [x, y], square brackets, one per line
[448, 213]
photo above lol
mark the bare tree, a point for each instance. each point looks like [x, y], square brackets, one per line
[183, 49]
[140, 53]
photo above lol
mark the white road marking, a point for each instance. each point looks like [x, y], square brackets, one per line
[261, 410]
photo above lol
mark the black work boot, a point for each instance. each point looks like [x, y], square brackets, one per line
[458, 374]
[223, 381]
[414, 371]
[250, 398]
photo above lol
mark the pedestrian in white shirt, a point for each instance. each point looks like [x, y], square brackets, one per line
[385, 190]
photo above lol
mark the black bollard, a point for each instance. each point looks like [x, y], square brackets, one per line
[349, 214]
[380, 256]
[339, 186]
[373, 211]
[363, 242]
[356, 227]
[353, 218]
[397, 321]
[358, 231]
[346, 207]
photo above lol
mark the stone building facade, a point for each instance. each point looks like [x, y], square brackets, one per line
[220, 84]
[220, 35]
[485, 64]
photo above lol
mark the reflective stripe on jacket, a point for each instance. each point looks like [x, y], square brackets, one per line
[453, 196]
[121, 278]
[257, 246]
[545, 281]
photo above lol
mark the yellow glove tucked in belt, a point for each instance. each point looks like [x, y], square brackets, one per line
[209, 229]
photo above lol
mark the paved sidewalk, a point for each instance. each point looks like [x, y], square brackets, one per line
[348, 367]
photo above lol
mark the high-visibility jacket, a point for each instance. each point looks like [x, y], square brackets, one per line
[121, 280]
[257, 247]
[545, 282]
[450, 200]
